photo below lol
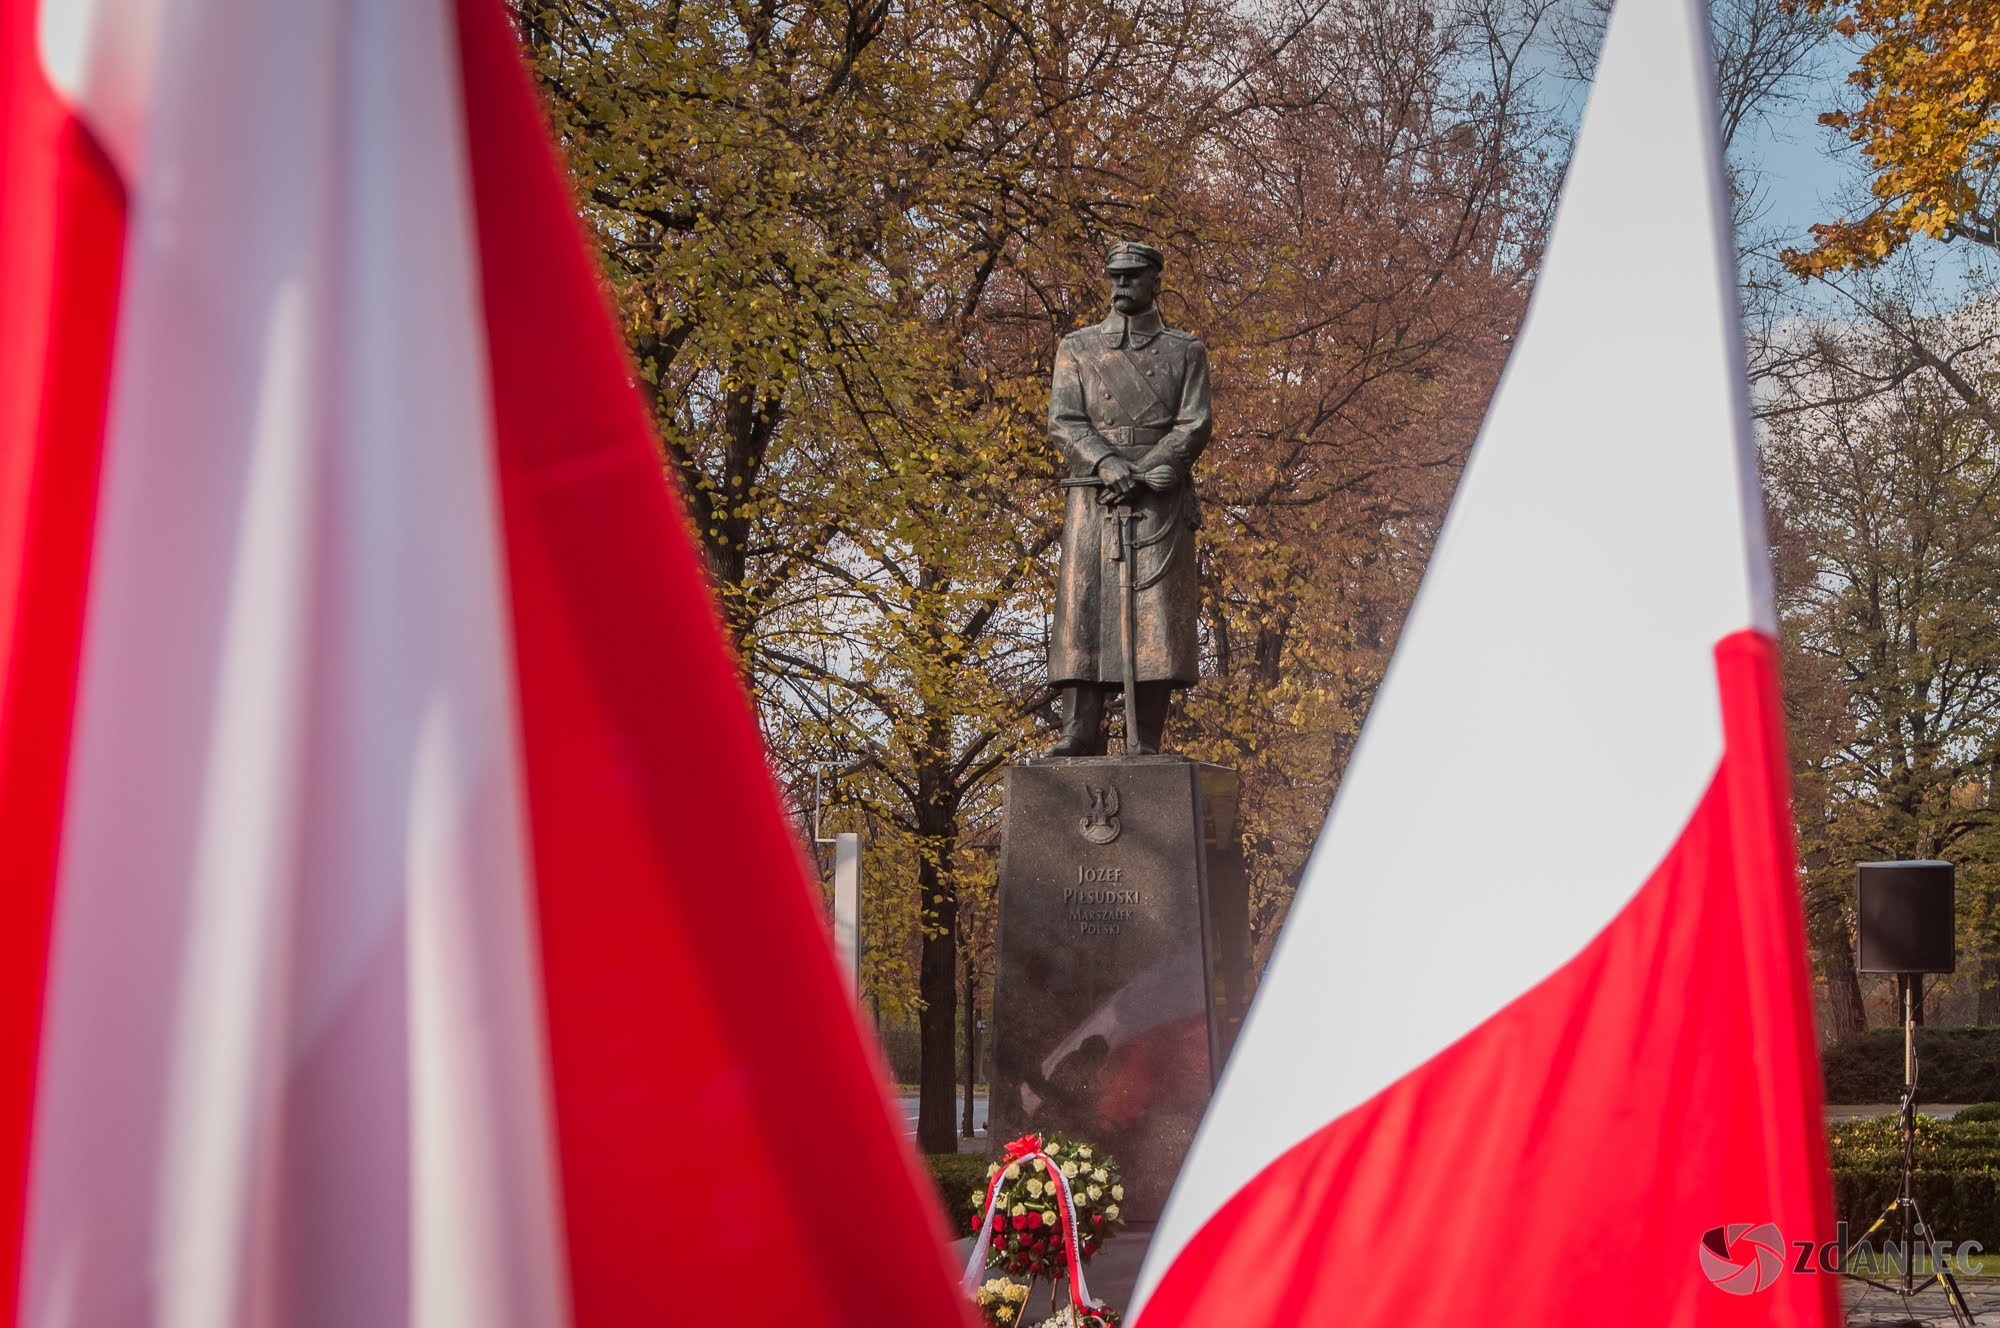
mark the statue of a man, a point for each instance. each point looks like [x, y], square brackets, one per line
[1129, 408]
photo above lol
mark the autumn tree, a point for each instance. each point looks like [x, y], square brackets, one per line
[1372, 220]
[1926, 119]
[1884, 494]
[764, 180]
[908, 671]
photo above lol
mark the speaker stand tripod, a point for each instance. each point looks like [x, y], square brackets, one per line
[1910, 1218]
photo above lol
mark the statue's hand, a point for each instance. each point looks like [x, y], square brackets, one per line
[1118, 475]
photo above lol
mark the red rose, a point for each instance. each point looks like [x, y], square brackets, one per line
[1034, 1219]
[1020, 1224]
[1097, 1219]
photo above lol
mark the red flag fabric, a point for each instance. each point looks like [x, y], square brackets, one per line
[401, 924]
[1536, 1046]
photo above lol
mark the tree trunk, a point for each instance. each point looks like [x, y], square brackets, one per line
[971, 1046]
[1847, 1016]
[937, 984]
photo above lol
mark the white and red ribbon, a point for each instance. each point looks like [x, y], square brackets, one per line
[1024, 1152]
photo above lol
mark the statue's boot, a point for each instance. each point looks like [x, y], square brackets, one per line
[1083, 723]
[1154, 698]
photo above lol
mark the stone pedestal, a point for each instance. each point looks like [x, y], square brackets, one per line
[1123, 967]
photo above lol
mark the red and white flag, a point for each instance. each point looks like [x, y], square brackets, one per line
[399, 922]
[1539, 1022]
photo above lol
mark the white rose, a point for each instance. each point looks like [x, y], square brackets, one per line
[1019, 1210]
[1095, 1192]
[1040, 1165]
[1111, 1213]
[1083, 1153]
[1100, 1175]
[1069, 1170]
[1013, 1171]
[1035, 1188]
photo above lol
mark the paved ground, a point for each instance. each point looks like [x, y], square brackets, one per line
[1868, 1307]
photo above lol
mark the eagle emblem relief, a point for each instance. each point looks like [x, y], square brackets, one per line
[1100, 823]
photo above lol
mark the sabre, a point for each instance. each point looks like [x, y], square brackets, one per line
[1128, 628]
[1160, 479]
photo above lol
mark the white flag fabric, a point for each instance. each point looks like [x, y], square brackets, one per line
[1536, 1039]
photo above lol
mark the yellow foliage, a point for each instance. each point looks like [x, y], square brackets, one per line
[1928, 125]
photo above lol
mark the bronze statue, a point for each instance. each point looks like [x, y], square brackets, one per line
[1129, 408]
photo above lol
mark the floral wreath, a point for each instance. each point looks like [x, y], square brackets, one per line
[1051, 1174]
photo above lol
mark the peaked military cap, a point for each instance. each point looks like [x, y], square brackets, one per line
[1130, 254]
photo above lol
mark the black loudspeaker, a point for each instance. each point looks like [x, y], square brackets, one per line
[1905, 914]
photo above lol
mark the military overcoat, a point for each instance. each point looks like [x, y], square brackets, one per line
[1134, 387]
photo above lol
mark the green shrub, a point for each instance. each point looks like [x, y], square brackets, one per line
[1956, 1175]
[957, 1176]
[1941, 1145]
[1959, 1205]
[1979, 1111]
[1955, 1065]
